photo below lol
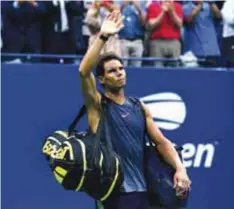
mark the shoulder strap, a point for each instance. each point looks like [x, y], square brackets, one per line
[146, 141]
[137, 101]
[134, 100]
[79, 115]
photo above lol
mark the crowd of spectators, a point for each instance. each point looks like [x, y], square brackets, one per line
[160, 29]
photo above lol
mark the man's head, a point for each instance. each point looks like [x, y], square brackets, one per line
[110, 71]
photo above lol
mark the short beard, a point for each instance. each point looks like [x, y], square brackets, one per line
[115, 90]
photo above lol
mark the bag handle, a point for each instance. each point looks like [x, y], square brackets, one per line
[79, 115]
[146, 142]
[82, 111]
[105, 136]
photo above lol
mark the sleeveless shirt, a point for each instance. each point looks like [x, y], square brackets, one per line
[127, 126]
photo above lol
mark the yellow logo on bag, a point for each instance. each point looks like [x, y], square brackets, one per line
[61, 152]
[49, 148]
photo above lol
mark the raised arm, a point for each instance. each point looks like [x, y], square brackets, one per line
[87, 79]
[112, 24]
[168, 152]
[215, 10]
[189, 14]
[153, 21]
[176, 13]
[141, 14]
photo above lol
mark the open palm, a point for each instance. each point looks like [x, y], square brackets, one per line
[112, 23]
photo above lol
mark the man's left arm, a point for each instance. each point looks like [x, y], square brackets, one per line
[215, 10]
[167, 151]
[176, 12]
[140, 12]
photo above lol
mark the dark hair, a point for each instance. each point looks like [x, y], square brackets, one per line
[103, 59]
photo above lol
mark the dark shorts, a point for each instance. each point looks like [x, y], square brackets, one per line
[132, 200]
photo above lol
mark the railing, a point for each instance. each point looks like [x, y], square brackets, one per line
[79, 57]
[76, 59]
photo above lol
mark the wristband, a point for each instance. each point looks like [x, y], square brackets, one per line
[103, 37]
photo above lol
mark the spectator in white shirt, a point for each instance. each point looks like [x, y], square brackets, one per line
[228, 33]
[93, 20]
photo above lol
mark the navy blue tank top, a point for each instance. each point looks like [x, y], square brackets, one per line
[126, 124]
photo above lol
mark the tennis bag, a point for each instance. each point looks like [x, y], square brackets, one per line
[83, 161]
[159, 176]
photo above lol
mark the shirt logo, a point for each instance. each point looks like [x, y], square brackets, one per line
[125, 115]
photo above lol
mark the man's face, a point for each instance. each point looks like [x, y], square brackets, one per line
[114, 75]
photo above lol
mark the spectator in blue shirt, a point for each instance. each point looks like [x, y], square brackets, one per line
[131, 36]
[219, 23]
[199, 31]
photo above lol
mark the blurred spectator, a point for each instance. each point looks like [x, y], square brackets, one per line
[219, 23]
[199, 31]
[1, 32]
[21, 26]
[81, 45]
[165, 20]
[85, 29]
[94, 18]
[228, 33]
[131, 36]
[59, 34]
